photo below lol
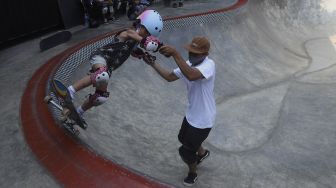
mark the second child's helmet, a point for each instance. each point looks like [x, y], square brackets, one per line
[152, 21]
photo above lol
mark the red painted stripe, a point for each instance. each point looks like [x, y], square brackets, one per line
[70, 162]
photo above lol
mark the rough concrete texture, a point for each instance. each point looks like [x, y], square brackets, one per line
[275, 93]
[19, 167]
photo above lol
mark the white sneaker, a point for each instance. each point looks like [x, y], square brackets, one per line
[80, 111]
[72, 92]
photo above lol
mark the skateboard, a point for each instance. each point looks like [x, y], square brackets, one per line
[54, 40]
[69, 117]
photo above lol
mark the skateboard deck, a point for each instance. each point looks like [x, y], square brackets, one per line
[70, 117]
[54, 40]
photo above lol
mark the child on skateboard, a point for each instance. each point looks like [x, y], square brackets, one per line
[108, 58]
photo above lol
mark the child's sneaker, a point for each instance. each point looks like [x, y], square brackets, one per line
[80, 112]
[71, 92]
[190, 179]
[204, 156]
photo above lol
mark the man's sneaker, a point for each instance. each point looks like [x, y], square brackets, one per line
[190, 179]
[204, 156]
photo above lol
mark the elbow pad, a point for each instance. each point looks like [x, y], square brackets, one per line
[150, 43]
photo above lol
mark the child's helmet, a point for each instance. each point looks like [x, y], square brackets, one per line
[152, 21]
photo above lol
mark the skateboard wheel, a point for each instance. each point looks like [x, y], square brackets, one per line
[70, 127]
[63, 119]
[66, 112]
[47, 99]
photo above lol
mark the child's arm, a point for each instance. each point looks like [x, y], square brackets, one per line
[130, 34]
[149, 43]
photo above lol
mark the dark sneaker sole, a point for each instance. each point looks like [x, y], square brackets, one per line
[204, 157]
[189, 184]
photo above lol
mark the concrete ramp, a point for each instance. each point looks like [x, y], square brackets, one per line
[276, 101]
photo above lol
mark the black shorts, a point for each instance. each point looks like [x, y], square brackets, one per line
[192, 137]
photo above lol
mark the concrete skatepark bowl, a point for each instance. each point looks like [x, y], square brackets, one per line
[275, 93]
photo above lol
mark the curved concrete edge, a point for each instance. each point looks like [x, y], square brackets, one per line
[69, 161]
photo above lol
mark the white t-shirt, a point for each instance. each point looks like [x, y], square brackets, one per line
[201, 108]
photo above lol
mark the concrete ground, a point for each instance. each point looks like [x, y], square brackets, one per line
[275, 94]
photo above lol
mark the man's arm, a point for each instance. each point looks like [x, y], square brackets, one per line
[191, 73]
[169, 76]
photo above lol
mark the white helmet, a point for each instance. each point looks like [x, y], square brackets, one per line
[152, 21]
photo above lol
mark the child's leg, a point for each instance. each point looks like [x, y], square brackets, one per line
[82, 83]
[98, 98]
[96, 62]
[98, 78]
[84, 107]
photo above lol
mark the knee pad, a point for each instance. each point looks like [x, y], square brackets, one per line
[100, 76]
[97, 59]
[150, 43]
[99, 98]
[187, 155]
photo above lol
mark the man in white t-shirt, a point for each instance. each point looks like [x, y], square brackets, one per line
[199, 75]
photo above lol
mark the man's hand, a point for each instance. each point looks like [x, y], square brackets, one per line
[167, 51]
